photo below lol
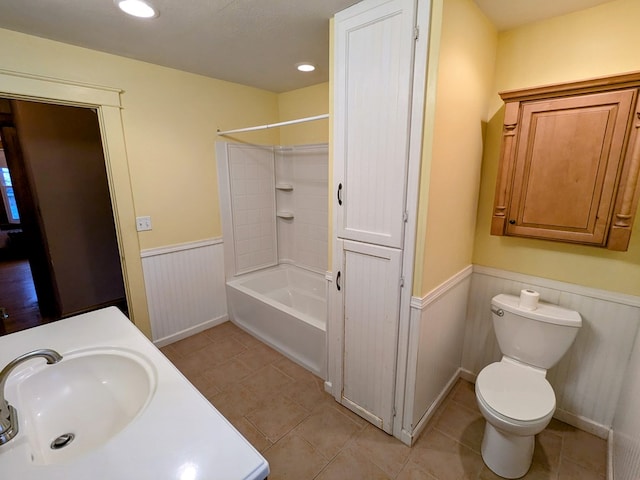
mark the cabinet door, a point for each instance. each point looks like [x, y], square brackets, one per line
[568, 159]
[370, 287]
[374, 44]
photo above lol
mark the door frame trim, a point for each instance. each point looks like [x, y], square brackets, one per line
[106, 101]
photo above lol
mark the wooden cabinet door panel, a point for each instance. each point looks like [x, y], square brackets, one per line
[568, 159]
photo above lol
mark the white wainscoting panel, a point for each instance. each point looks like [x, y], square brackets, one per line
[588, 379]
[185, 288]
[625, 448]
[435, 354]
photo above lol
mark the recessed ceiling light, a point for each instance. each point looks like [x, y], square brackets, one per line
[306, 67]
[137, 8]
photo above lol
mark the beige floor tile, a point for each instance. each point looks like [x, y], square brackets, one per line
[559, 428]
[465, 394]
[236, 401]
[534, 473]
[171, 353]
[572, 471]
[267, 381]
[220, 331]
[224, 349]
[277, 418]
[351, 464]
[214, 354]
[294, 370]
[330, 401]
[586, 450]
[204, 385]
[194, 364]
[308, 393]
[328, 430]
[258, 356]
[464, 425]
[252, 434]
[389, 453]
[547, 451]
[412, 472]
[293, 458]
[227, 373]
[245, 338]
[191, 344]
[444, 458]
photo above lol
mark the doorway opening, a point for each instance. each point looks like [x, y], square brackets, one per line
[59, 252]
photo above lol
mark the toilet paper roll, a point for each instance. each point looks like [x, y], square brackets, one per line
[529, 299]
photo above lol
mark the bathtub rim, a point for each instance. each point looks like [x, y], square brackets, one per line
[237, 283]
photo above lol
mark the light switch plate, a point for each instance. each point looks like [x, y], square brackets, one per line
[143, 223]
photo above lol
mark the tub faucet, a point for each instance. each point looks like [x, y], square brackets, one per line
[8, 414]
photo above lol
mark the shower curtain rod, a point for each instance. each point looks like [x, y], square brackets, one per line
[272, 125]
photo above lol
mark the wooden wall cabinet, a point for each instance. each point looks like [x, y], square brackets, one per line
[570, 162]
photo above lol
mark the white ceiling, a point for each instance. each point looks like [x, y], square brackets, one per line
[252, 42]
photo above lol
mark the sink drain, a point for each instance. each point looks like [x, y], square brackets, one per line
[62, 441]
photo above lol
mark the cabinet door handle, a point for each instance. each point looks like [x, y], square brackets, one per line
[512, 222]
[338, 282]
[339, 196]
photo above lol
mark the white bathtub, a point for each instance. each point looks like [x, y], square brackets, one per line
[286, 308]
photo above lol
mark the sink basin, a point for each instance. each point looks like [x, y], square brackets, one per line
[77, 405]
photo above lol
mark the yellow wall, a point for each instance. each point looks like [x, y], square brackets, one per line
[170, 120]
[301, 103]
[452, 152]
[594, 42]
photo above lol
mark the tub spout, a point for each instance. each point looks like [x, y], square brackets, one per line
[8, 414]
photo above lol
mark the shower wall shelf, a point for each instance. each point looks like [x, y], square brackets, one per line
[285, 215]
[285, 187]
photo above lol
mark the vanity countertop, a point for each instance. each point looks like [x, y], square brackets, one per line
[178, 434]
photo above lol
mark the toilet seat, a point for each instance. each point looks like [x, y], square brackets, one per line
[515, 393]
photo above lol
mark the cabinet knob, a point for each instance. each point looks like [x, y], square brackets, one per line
[512, 222]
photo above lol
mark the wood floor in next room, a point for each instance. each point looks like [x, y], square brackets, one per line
[304, 434]
[18, 297]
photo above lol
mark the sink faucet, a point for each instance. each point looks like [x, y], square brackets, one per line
[8, 414]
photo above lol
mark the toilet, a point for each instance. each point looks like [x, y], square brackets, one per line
[513, 394]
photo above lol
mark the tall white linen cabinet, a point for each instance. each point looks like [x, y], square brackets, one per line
[380, 55]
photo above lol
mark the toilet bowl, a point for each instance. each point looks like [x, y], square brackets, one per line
[513, 394]
[518, 403]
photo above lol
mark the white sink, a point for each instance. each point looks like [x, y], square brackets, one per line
[133, 414]
[91, 395]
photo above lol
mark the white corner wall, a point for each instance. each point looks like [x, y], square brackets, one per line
[302, 240]
[626, 423]
[435, 350]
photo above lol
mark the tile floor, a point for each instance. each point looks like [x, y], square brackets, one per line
[283, 411]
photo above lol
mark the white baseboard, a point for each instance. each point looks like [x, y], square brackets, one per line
[409, 437]
[610, 455]
[328, 387]
[582, 423]
[161, 342]
[468, 375]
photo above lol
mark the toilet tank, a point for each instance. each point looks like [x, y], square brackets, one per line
[537, 337]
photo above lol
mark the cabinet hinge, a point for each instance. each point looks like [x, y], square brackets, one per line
[401, 282]
[416, 32]
[405, 216]
[394, 411]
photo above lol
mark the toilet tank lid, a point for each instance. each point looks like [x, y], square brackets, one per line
[546, 312]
